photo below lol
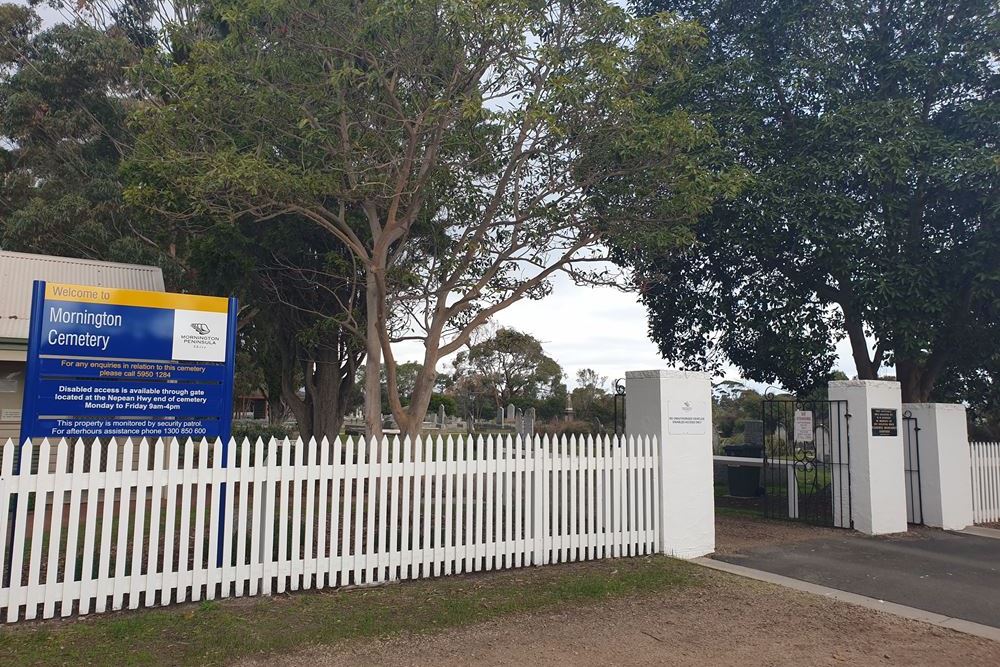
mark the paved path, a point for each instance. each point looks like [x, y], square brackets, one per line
[957, 575]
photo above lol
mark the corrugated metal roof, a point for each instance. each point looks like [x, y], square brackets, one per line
[18, 271]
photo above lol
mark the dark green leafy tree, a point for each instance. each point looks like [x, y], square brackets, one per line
[64, 101]
[869, 131]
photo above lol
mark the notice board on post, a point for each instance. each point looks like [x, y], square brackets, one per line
[105, 362]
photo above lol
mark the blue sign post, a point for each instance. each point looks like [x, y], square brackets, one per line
[106, 363]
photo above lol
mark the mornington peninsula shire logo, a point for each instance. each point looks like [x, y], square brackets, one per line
[201, 328]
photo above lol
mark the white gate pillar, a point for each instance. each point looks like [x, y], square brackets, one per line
[878, 492]
[676, 408]
[945, 482]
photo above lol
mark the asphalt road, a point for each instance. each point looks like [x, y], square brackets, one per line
[953, 574]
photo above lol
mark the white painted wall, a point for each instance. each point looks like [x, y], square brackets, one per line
[670, 405]
[878, 492]
[946, 485]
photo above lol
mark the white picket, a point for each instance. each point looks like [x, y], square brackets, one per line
[142, 480]
[426, 529]
[350, 472]
[70, 590]
[324, 472]
[179, 529]
[440, 520]
[296, 490]
[335, 563]
[307, 491]
[7, 481]
[407, 474]
[451, 507]
[543, 462]
[992, 472]
[269, 501]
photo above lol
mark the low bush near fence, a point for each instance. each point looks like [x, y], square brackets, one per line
[151, 524]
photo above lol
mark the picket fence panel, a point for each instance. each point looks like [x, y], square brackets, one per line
[115, 525]
[985, 481]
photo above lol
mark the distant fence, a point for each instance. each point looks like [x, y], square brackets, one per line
[985, 481]
[107, 526]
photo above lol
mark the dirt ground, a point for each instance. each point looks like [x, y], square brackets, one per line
[736, 534]
[727, 621]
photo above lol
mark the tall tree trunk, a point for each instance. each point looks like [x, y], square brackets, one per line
[416, 411]
[373, 357]
[301, 407]
[866, 367]
[916, 380]
[328, 388]
[275, 409]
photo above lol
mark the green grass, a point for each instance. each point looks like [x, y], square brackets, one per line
[220, 632]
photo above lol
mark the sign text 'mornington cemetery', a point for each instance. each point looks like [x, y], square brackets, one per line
[115, 362]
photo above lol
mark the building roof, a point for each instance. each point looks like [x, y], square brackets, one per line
[19, 270]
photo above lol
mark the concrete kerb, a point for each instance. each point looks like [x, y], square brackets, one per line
[912, 613]
[980, 531]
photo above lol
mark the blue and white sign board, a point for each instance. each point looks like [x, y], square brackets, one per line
[106, 362]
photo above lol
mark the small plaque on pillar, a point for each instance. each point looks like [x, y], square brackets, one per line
[687, 417]
[884, 422]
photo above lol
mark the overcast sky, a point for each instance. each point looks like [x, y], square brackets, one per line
[594, 327]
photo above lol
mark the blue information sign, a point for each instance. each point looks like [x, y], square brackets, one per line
[108, 362]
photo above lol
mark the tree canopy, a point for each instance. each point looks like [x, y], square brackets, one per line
[508, 365]
[463, 153]
[64, 103]
[869, 133]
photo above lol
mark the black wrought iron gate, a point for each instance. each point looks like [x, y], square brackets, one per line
[807, 449]
[911, 467]
[619, 406]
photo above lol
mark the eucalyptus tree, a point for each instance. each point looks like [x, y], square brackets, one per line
[509, 364]
[870, 134]
[464, 153]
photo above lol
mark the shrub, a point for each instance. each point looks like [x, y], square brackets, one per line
[563, 427]
[253, 430]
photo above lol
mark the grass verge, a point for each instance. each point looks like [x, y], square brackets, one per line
[222, 631]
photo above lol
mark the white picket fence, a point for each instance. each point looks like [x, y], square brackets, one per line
[985, 481]
[81, 536]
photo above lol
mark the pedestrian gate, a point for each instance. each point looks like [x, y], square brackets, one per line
[806, 472]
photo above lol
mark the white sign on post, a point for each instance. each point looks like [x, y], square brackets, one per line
[687, 417]
[804, 426]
